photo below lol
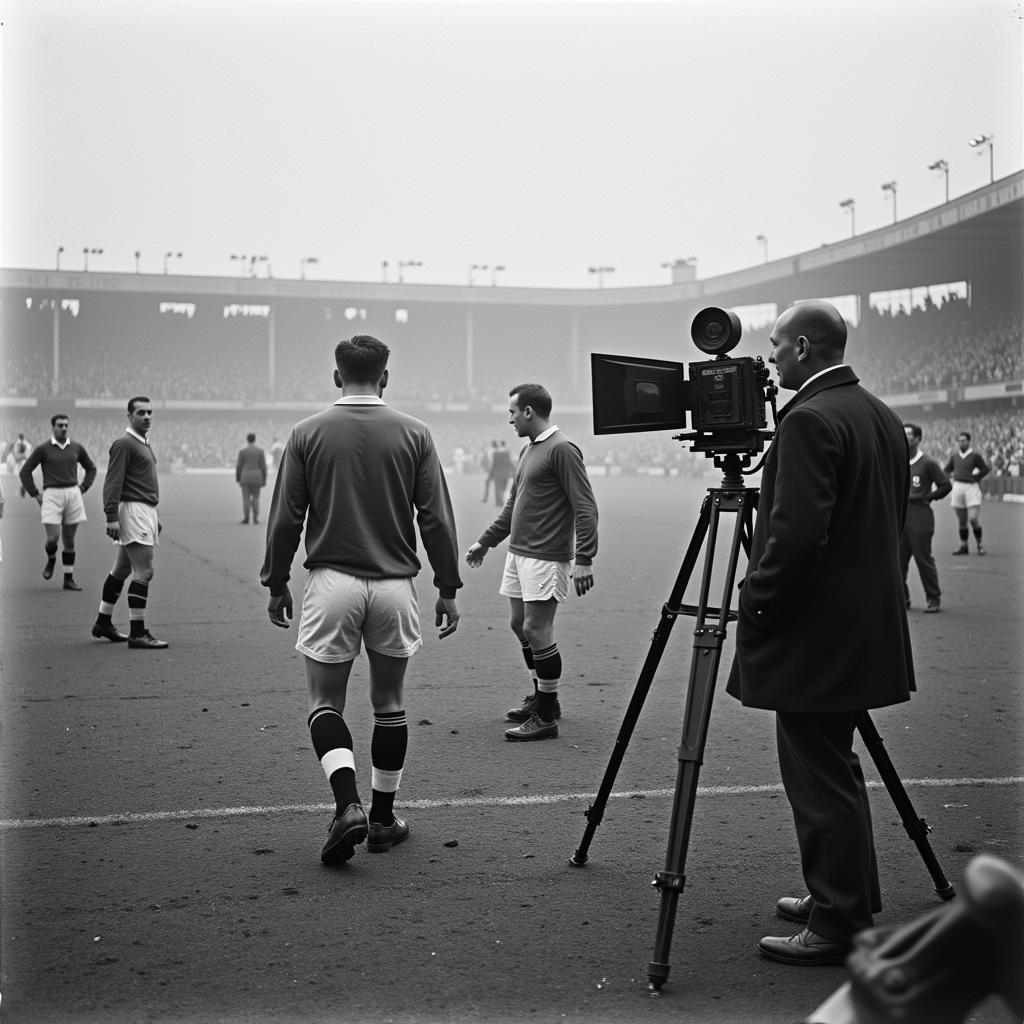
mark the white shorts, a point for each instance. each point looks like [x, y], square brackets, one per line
[965, 495]
[339, 611]
[535, 579]
[138, 522]
[62, 505]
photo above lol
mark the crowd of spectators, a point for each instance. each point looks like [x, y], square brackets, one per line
[940, 346]
[947, 346]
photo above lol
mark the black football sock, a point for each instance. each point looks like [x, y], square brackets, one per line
[112, 588]
[332, 742]
[387, 751]
[68, 560]
[138, 595]
[549, 672]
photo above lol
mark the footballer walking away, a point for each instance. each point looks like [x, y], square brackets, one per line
[360, 476]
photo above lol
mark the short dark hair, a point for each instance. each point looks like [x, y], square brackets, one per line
[251, 438]
[534, 395]
[59, 416]
[132, 402]
[964, 433]
[914, 429]
[361, 359]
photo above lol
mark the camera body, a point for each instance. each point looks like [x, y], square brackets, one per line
[723, 398]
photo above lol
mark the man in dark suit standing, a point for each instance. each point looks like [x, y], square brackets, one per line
[822, 632]
[251, 476]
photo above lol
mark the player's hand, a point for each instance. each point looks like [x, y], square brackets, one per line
[39, 499]
[475, 555]
[279, 608]
[113, 529]
[446, 608]
[583, 578]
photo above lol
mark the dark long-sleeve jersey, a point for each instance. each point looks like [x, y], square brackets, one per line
[60, 466]
[927, 482]
[131, 475]
[551, 512]
[961, 465]
[361, 476]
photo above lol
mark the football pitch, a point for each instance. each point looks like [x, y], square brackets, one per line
[163, 812]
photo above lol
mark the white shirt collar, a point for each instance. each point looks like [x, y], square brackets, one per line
[137, 435]
[919, 455]
[545, 435]
[54, 441]
[963, 455]
[820, 373]
[360, 400]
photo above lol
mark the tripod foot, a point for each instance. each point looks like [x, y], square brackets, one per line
[579, 858]
[946, 892]
[657, 975]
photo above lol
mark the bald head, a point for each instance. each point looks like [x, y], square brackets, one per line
[807, 338]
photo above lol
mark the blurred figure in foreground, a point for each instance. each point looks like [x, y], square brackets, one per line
[935, 969]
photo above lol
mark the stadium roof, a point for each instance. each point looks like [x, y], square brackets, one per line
[980, 234]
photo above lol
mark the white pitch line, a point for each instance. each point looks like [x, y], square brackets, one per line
[130, 817]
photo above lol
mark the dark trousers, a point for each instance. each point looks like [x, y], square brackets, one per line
[916, 543]
[824, 783]
[251, 501]
[500, 489]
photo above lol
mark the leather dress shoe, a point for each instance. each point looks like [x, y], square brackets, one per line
[111, 633]
[383, 837]
[347, 831]
[795, 908]
[805, 949]
[146, 642]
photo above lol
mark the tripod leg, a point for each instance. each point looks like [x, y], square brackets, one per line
[707, 650]
[917, 828]
[669, 612]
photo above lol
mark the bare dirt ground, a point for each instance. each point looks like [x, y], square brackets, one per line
[162, 812]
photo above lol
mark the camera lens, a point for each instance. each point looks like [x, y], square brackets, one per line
[715, 330]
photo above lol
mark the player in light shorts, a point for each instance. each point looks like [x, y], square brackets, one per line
[138, 523]
[965, 495]
[60, 499]
[550, 521]
[535, 579]
[340, 611]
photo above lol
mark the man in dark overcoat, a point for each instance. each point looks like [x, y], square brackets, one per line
[822, 631]
[251, 476]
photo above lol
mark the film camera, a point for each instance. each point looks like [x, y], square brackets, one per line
[724, 397]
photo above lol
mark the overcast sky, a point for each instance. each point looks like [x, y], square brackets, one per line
[546, 137]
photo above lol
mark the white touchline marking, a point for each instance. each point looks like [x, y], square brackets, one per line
[130, 817]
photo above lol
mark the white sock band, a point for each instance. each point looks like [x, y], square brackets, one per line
[339, 757]
[385, 781]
